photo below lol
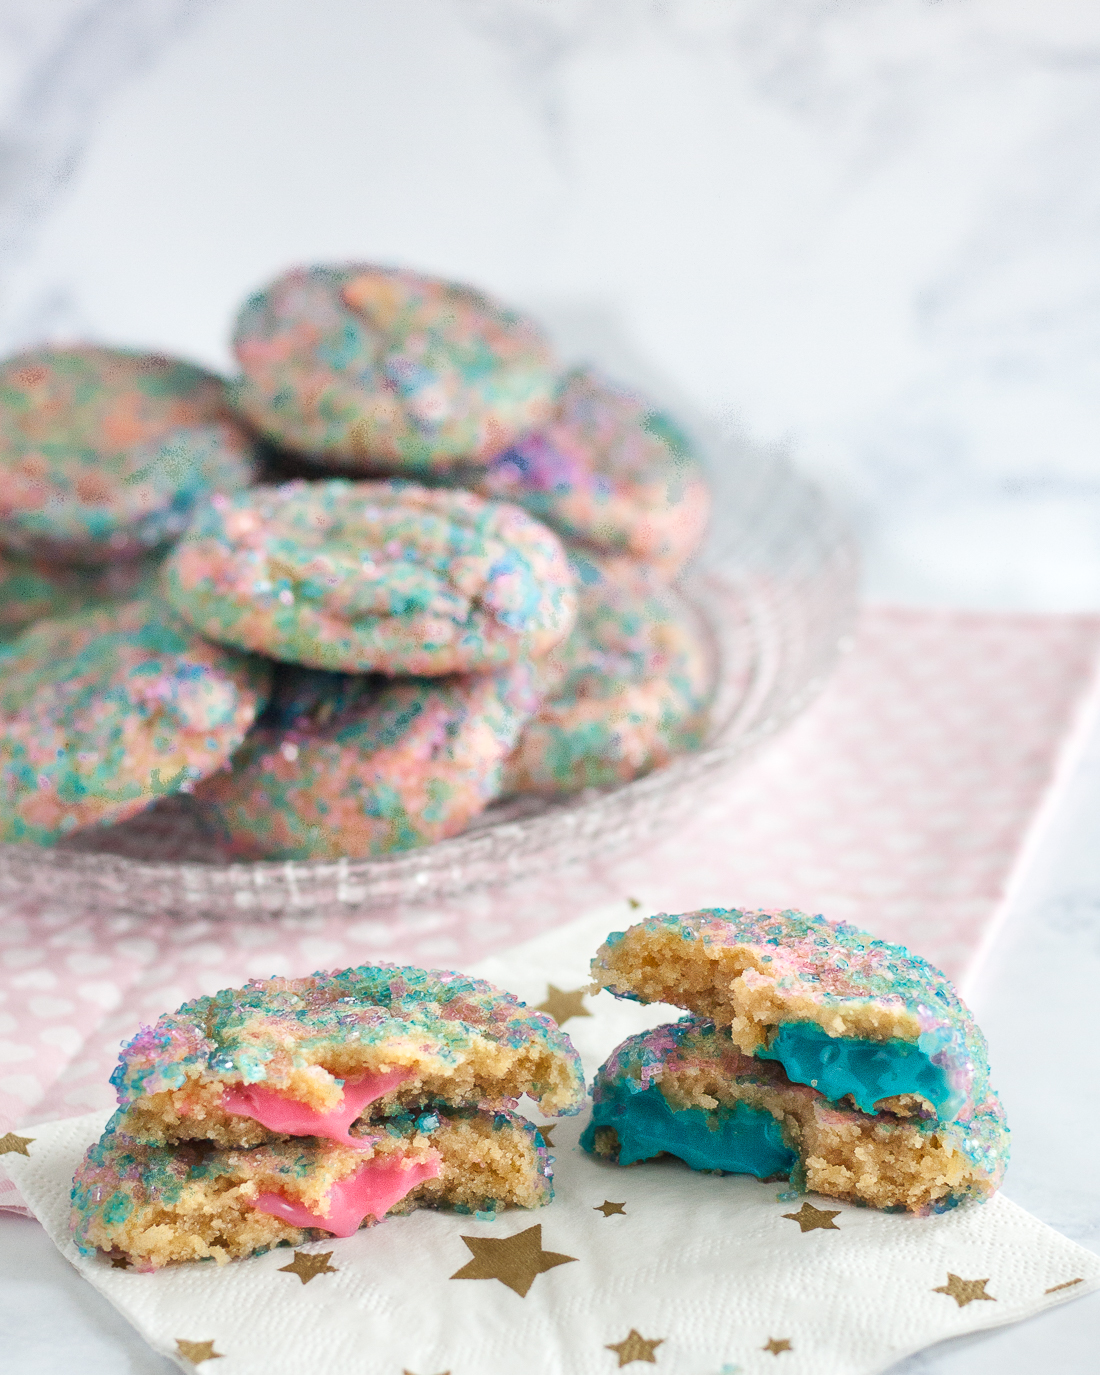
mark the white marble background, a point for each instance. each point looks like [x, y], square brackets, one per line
[861, 231]
[864, 231]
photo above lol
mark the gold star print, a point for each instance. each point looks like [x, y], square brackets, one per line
[119, 1263]
[561, 1005]
[775, 1347]
[308, 1267]
[636, 1348]
[964, 1291]
[634, 904]
[547, 1134]
[197, 1352]
[409, 1372]
[1068, 1285]
[15, 1145]
[812, 1219]
[609, 1208]
[515, 1261]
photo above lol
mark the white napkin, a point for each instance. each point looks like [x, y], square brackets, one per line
[694, 1274]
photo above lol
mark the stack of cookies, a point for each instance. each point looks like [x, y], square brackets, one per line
[403, 565]
[295, 1108]
[811, 1052]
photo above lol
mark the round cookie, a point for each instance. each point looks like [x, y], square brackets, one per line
[858, 1018]
[373, 576]
[626, 691]
[383, 369]
[106, 710]
[313, 1056]
[158, 1205]
[103, 452]
[37, 589]
[370, 767]
[687, 1090]
[609, 471]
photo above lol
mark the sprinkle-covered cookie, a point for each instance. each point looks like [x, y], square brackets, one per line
[104, 452]
[106, 710]
[312, 1056]
[626, 691]
[37, 589]
[384, 369]
[356, 767]
[853, 1016]
[157, 1205]
[609, 471]
[373, 576]
[686, 1090]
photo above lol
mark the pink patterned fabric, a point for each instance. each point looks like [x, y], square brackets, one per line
[901, 801]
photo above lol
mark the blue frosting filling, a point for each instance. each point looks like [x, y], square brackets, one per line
[738, 1140]
[868, 1070]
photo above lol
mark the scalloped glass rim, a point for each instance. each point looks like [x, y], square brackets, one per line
[775, 588]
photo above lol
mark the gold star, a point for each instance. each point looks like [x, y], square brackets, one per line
[810, 1218]
[15, 1145]
[608, 1208]
[547, 1134]
[636, 1348]
[515, 1261]
[119, 1263]
[775, 1347]
[308, 1267]
[964, 1291]
[561, 1005]
[634, 904]
[197, 1352]
[409, 1372]
[1068, 1285]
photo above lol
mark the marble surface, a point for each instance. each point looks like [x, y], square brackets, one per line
[862, 232]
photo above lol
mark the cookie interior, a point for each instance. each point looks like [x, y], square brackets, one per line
[158, 1205]
[874, 1051]
[716, 1109]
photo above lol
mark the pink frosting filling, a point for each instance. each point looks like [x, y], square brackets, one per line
[287, 1115]
[372, 1190]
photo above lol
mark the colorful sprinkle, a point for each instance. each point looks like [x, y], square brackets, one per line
[382, 369]
[104, 452]
[626, 691]
[104, 711]
[368, 766]
[365, 576]
[609, 471]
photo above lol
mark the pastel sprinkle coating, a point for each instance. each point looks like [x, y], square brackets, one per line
[160, 1205]
[384, 369]
[370, 767]
[626, 692]
[911, 1163]
[104, 452]
[463, 1041]
[365, 576]
[753, 970]
[37, 589]
[609, 471]
[106, 710]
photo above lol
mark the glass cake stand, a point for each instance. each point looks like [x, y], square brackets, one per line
[774, 592]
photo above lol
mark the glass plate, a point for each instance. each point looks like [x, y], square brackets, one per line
[774, 591]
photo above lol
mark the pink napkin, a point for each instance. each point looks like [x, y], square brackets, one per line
[903, 800]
